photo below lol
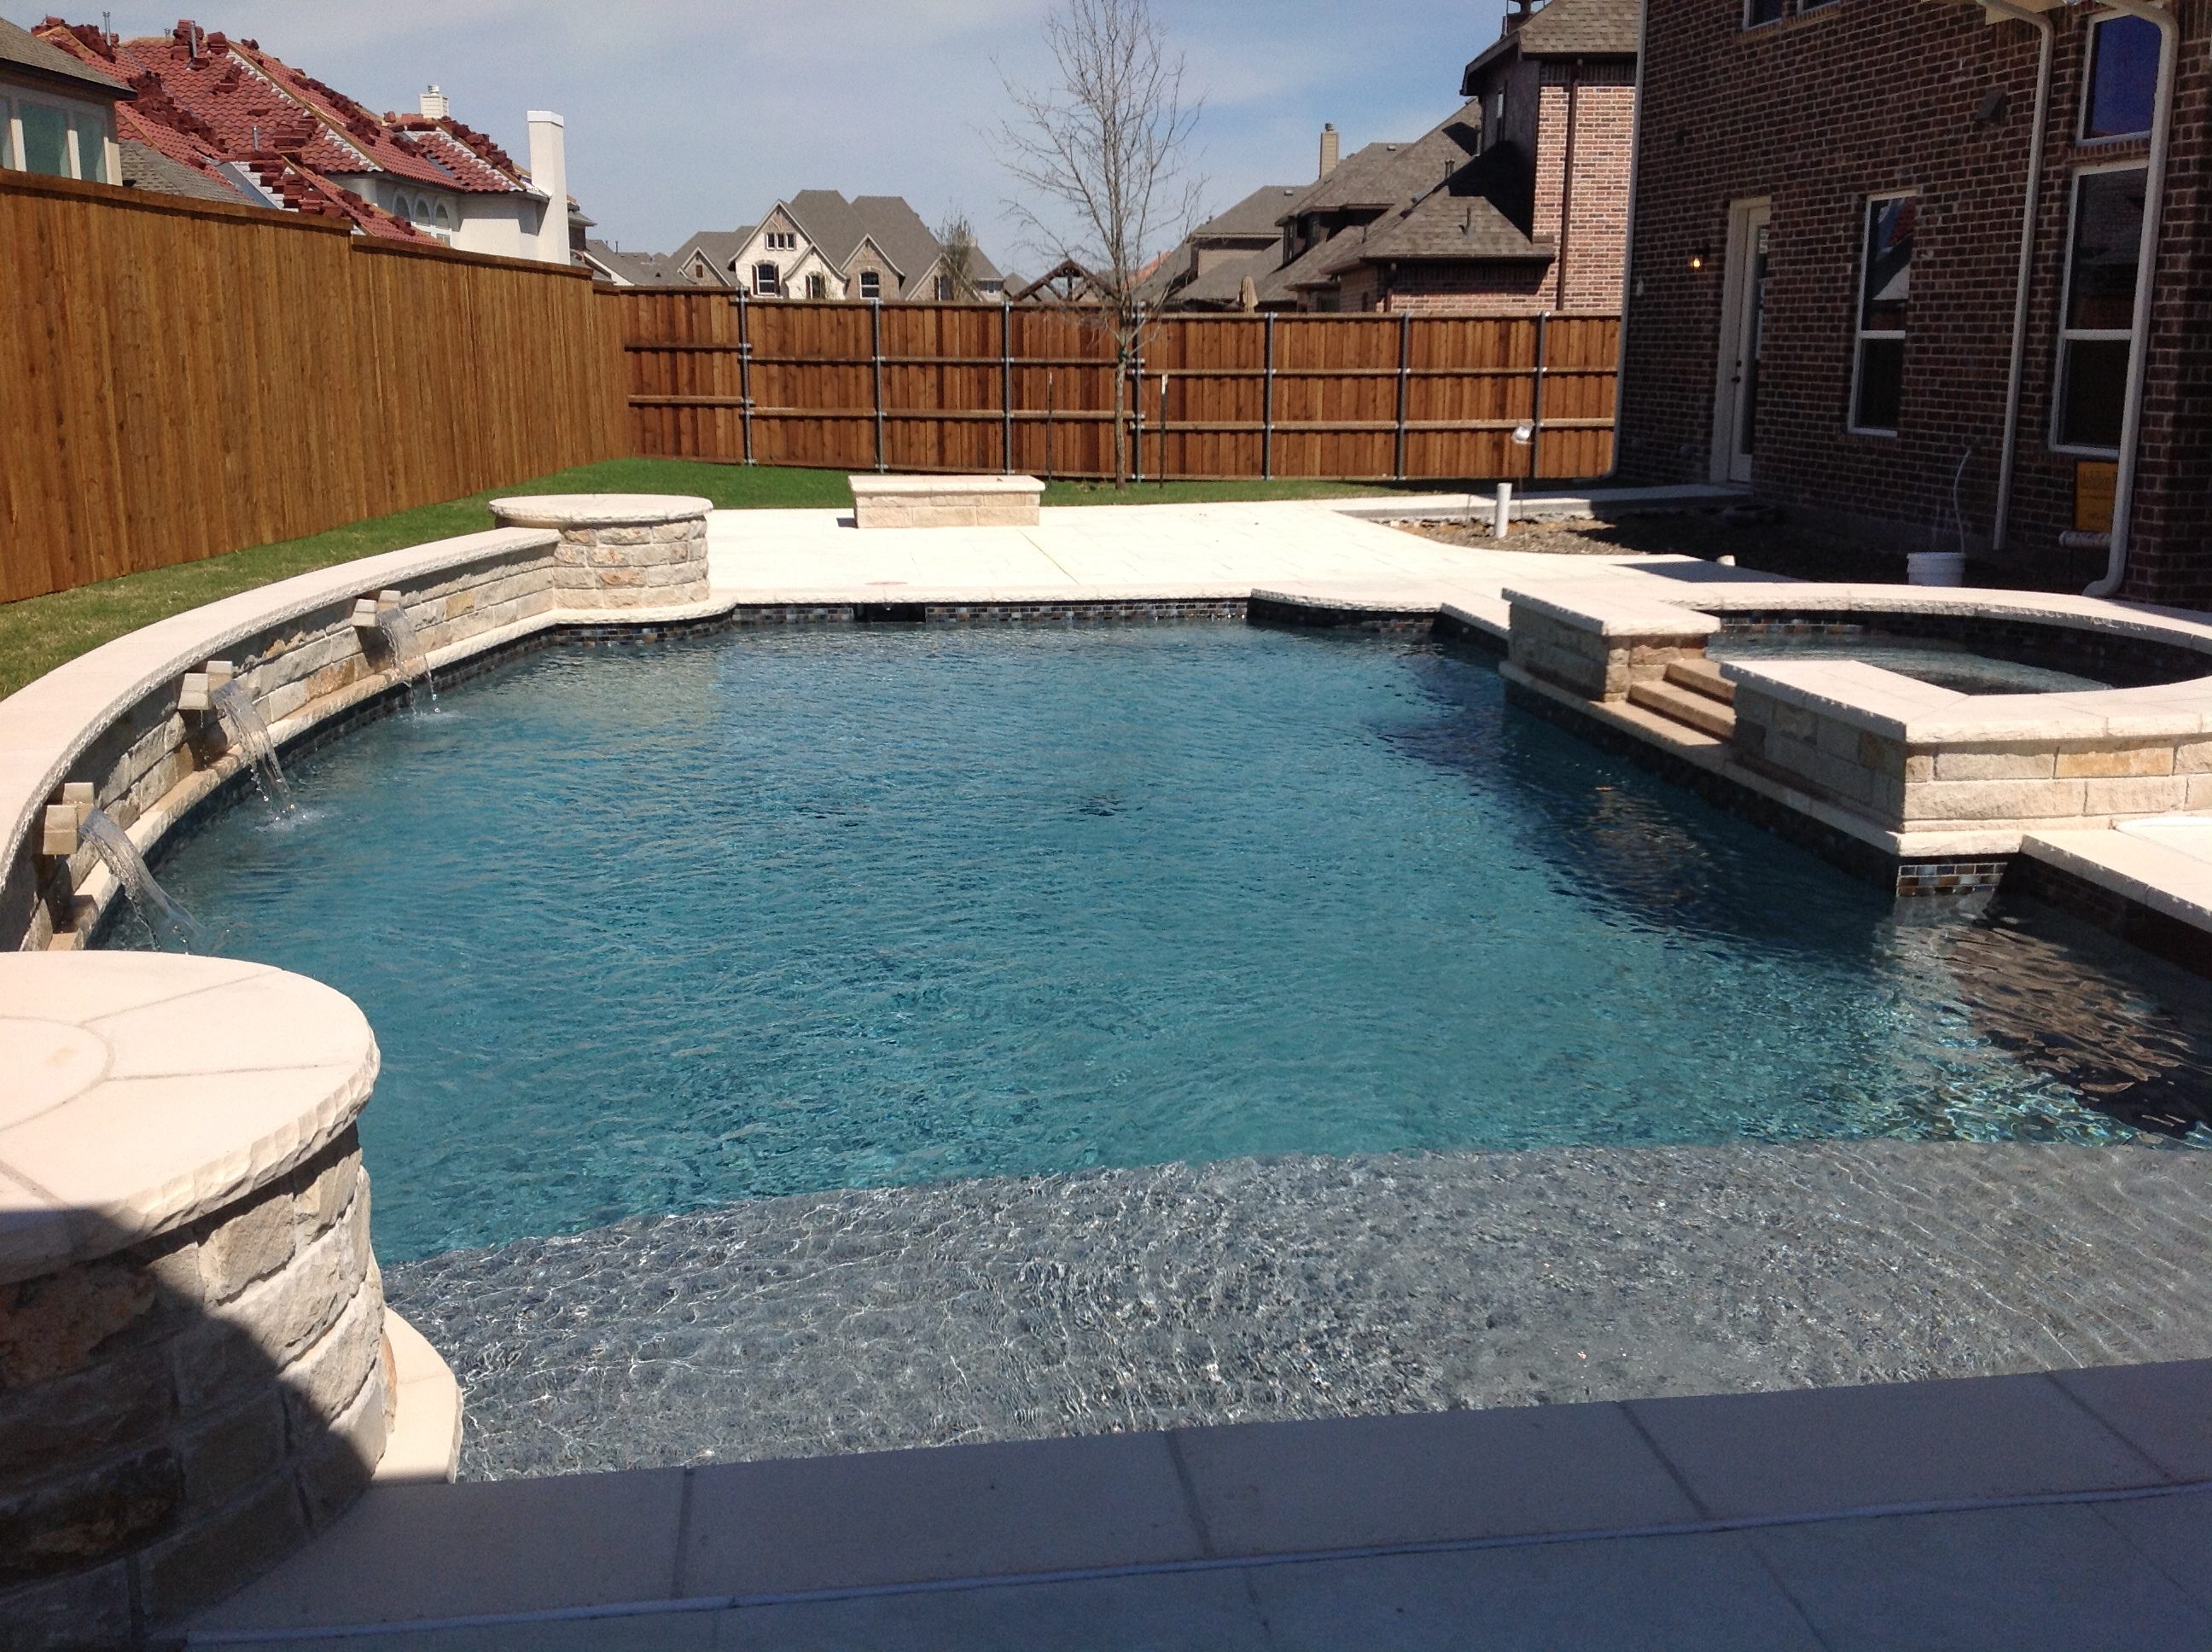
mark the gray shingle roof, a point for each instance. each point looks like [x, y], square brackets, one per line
[1568, 29]
[1390, 174]
[898, 228]
[24, 53]
[148, 168]
[1221, 287]
[829, 222]
[1257, 214]
[1440, 226]
[639, 269]
[718, 246]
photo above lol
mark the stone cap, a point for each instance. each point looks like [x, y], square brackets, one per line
[1919, 714]
[1611, 615]
[924, 486]
[145, 1089]
[597, 510]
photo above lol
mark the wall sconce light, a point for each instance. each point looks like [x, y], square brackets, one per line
[1698, 259]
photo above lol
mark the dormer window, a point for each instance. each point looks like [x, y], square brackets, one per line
[871, 284]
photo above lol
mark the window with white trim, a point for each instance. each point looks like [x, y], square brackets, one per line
[768, 281]
[782, 240]
[1884, 294]
[55, 139]
[2123, 78]
[2096, 334]
[871, 284]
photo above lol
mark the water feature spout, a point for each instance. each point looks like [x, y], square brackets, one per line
[249, 736]
[402, 645]
[93, 827]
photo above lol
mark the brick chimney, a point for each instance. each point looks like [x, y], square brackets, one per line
[436, 105]
[1330, 148]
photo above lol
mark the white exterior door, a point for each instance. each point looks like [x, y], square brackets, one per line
[1743, 305]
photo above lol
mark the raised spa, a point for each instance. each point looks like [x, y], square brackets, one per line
[659, 927]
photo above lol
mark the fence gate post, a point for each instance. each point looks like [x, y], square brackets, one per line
[1536, 396]
[1268, 402]
[745, 375]
[1405, 368]
[1006, 380]
[876, 361]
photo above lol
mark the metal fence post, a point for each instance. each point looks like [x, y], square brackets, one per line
[1536, 394]
[876, 361]
[1137, 408]
[1405, 369]
[1268, 402]
[745, 374]
[1006, 380]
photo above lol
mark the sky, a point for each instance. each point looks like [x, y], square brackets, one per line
[701, 114]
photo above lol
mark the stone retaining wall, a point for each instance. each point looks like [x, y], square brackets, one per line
[177, 1414]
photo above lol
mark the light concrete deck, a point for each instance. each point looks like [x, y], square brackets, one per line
[1998, 1512]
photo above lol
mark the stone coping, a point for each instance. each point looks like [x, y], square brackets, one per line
[162, 1088]
[1610, 614]
[923, 487]
[598, 510]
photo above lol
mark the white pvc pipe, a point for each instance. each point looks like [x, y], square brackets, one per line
[1501, 511]
[2162, 141]
[2029, 212]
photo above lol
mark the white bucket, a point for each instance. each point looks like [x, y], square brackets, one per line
[1936, 567]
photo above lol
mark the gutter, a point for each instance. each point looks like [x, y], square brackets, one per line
[2162, 144]
[2029, 213]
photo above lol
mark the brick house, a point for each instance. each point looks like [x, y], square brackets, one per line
[1863, 289]
[1514, 203]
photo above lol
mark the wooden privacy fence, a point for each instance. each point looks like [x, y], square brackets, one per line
[1014, 388]
[182, 378]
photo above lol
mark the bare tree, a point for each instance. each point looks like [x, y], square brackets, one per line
[1102, 151]
[957, 237]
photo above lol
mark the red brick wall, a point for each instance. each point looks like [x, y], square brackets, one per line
[1866, 97]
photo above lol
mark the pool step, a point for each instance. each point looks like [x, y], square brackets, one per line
[1685, 706]
[1702, 677]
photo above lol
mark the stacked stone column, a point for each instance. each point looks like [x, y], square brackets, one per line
[620, 550]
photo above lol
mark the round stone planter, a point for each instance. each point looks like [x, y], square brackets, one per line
[194, 1374]
[620, 550]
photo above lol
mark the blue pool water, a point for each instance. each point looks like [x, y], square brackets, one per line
[656, 928]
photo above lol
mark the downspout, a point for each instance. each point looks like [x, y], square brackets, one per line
[1628, 242]
[2162, 141]
[2029, 213]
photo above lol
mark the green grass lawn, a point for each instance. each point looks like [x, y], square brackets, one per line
[40, 633]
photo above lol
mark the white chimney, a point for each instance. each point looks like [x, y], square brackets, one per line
[1329, 149]
[548, 174]
[435, 105]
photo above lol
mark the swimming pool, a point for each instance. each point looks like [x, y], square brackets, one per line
[658, 928]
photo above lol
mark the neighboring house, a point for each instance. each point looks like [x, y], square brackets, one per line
[228, 112]
[56, 116]
[636, 269]
[819, 244]
[1209, 269]
[1515, 203]
[710, 257]
[1834, 207]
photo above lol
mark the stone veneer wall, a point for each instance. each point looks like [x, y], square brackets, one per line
[647, 565]
[1967, 784]
[174, 1413]
[1594, 665]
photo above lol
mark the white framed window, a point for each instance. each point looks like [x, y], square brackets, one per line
[768, 281]
[1885, 295]
[817, 285]
[782, 240]
[871, 284]
[2121, 83]
[42, 138]
[2096, 329]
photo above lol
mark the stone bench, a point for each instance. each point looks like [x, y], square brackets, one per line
[945, 502]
